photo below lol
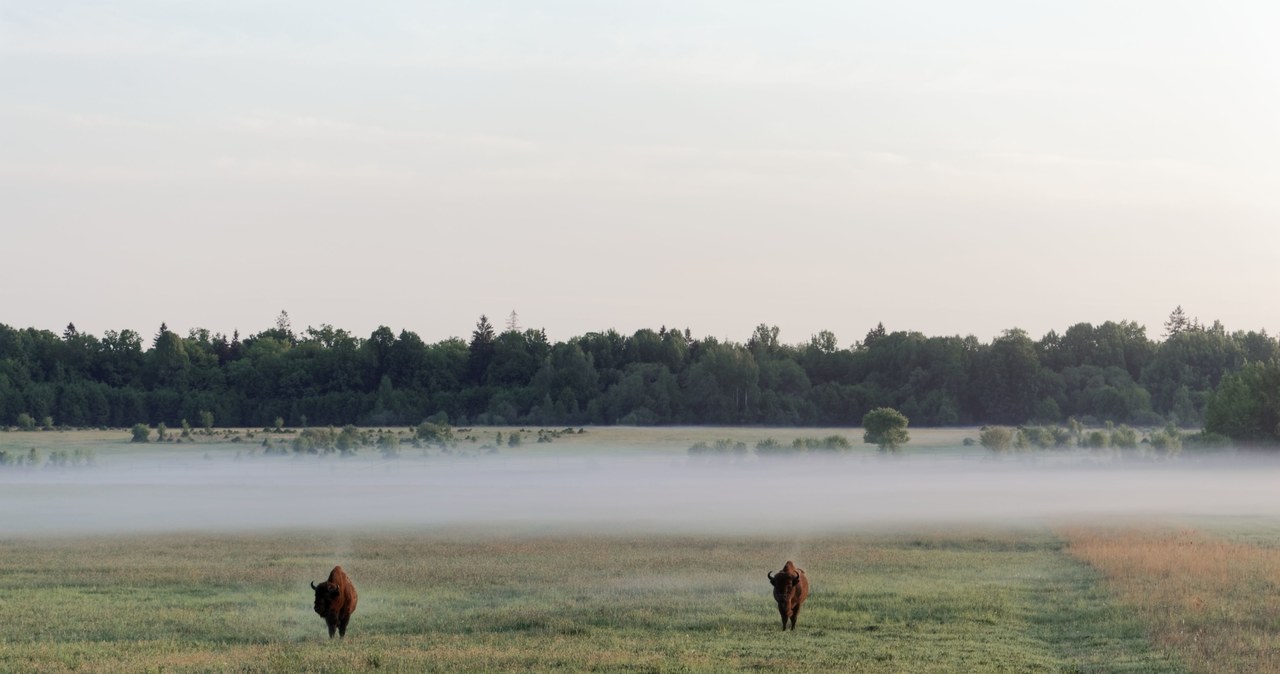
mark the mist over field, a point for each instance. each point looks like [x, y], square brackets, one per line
[629, 492]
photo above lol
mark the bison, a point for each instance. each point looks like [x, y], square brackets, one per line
[336, 601]
[790, 589]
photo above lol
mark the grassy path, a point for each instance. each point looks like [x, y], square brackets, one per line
[1007, 601]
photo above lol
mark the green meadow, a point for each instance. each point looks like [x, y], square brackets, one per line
[940, 601]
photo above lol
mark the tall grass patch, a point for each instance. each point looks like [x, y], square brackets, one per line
[1213, 601]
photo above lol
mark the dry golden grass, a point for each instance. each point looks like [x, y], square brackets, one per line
[1214, 602]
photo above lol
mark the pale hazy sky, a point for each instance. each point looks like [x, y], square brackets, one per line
[948, 167]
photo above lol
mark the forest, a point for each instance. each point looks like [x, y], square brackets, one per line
[327, 376]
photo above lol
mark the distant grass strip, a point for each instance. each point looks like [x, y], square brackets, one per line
[1213, 602]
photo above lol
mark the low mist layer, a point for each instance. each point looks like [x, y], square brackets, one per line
[632, 492]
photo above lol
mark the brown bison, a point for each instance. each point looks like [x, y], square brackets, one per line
[790, 589]
[336, 600]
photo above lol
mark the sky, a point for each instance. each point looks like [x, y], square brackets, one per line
[949, 168]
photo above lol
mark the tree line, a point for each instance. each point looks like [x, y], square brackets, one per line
[327, 376]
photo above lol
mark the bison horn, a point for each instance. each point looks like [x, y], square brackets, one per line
[313, 585]
[770, 574]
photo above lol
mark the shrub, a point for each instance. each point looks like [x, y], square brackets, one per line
[837, 442]
[996, 438]
[724, 446]
[1124, 437]
[1206, 440]
[429, 431]
[349, 440]
[315, 441]
[26, 422]
[1167, 441]
[389, 446]
[1033, 436]
[769, 446]
[1097, 439]
[140, 433]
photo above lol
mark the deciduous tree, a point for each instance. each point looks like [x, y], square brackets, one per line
[885, 427]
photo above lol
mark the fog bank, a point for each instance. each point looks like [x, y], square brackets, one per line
[640, 493]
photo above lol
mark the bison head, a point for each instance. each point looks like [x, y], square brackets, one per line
[783, 580]
[326, 592]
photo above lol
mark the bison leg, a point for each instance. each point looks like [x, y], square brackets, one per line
[783, 612]
[795, 612]
[332, 625]
[342, 625]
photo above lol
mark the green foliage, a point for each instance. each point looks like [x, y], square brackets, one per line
[388, 445]
[327, 376]
[725, 446]
[140, 433]
[997, 439]
[1033, 436]
[315, 441]
[1124, 437]
[26, 422]
[1206, 440]
[770, 446]
[514, 439]
[828, 443]
[434, 433]
[1246, 406]
[885, 427]
[1097, 439]
[1167, 441]
[349, 440]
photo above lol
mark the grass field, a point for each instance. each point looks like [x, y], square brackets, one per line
[988, 601]
[1171, 595]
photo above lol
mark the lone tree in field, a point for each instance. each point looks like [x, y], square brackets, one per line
[886, 427]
